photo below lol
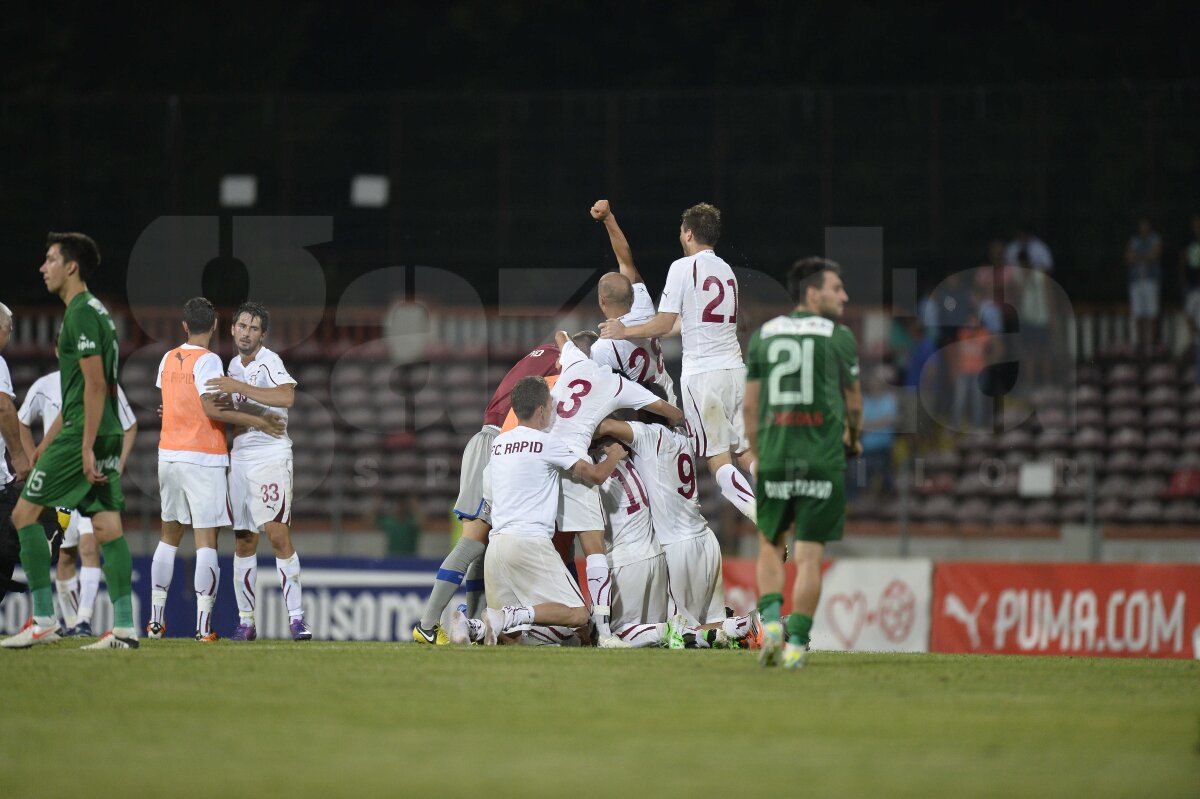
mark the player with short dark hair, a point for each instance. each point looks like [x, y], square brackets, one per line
[803, 413]
[465, 561]
[527, 583]
[260, 470]
[701, 295]
[76, 589]
[193, 459]
[79, 469]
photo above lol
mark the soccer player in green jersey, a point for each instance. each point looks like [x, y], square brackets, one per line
[81, 454]
[803, 413]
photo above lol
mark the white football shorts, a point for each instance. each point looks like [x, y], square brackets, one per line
[260, 492]
[524, 570]
[712, 403]
[194, 495]
[697, 584]
[640, 593]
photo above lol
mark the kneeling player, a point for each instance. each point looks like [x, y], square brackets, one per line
[527, 582]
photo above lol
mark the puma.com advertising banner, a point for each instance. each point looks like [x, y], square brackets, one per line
[867, 605]
[1105, 610]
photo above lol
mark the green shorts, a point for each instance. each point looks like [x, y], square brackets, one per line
[57, 481]
[816, 504]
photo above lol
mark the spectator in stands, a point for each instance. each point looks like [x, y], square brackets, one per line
[1144, 256]
[1033, 323]
[970, 360]
[400, 521]
[1035, 249]
[923, 368]
[881, 414]
[1189, 277]
[998, 277]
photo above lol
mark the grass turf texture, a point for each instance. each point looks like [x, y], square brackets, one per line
[178, 718]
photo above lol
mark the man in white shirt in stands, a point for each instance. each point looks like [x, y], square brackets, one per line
[260, 471]
[76, 590]
[586, 393]
[623, 295]
[527, 583]
[702, 296]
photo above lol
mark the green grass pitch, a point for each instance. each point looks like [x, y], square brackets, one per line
[181, 719]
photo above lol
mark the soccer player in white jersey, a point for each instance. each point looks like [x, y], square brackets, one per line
[665, 460]
[260, 472]
[20, 456]
[586, 393]
[702, 295]
[623, 295]
[193, 460]
[640, 588]
[76, 589]
[527, 582]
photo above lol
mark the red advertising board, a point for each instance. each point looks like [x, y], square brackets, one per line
[1106, 610]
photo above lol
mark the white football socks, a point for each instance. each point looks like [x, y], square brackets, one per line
[600, 587]
[68, 599]
[208, 576]
[162, 569]
[738, 490]
[289, 583]
[89, 586]
[245, 581]
[737, 627]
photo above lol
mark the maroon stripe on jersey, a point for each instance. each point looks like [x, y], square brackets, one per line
[693, 274]
[658, 446]
[620, 385]
[617, 355]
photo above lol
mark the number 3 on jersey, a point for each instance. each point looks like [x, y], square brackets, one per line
[788, 356]
[579, 390]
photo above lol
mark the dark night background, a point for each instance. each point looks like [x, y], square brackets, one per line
[499, 124]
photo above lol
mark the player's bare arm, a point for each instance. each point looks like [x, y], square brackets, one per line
[10, 427]
[95, 390]
[127, 446]
[854, 417]
[673, 415]
[602, 212]
[597, 473]
[660, 325]
[276, 396]
[27, 443]
[750, 412]
[561, 338]
[615, 428]
[269, 423]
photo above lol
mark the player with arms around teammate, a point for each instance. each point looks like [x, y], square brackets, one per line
[702, 296]
[527, 582]
[260, 472]
[76, 590]
[585, 394]
[78, 470]
[10, 441]
[192, 465]
[465, 561]
[623, 296]
[803, 413]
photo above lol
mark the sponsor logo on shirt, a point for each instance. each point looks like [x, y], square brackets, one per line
[86, 343]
